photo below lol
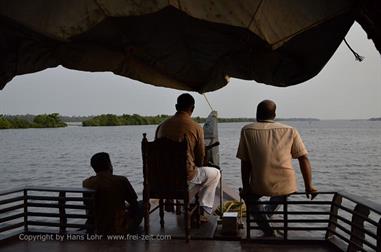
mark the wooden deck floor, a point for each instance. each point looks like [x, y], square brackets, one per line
[207, 238]
[171, 238]
[156, 245]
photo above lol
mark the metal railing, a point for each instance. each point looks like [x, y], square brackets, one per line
[347, 221]
[44, 210]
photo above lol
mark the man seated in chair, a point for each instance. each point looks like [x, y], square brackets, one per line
[266, 150]
[112, 192]
[180, 125]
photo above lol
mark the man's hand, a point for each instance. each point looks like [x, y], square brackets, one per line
[243, 192]
[305, 167]
[311, 190]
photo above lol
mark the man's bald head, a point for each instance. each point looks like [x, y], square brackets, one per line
[266, 110]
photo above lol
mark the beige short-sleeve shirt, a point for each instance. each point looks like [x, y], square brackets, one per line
[269, 147]
[175, 128]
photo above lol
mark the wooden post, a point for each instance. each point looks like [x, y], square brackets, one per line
[248, 231]
[285, 218]
[178, 207]
[221, 196]
[187, 218]
[26, 230]
[248, 214]
[145, 185]
[336, 200]
[357, 230]
[198, 211]
[161, 212]
[379, 236]
[91, 210]
[61, 207]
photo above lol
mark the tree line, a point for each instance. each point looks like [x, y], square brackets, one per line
[39, 121]
[115, 120]
[54, 120]
[135, 119]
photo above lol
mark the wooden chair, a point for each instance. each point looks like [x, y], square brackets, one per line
[165, 177]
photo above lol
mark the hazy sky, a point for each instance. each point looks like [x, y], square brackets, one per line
[344, 89]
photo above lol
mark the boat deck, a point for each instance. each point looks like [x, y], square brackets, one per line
[172, 237]
[332, 222]
[174, 245]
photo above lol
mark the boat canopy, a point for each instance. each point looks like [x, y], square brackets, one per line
[194, 45]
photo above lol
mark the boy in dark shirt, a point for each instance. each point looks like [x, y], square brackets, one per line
[111, 214]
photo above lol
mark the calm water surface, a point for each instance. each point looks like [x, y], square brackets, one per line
[345, 155]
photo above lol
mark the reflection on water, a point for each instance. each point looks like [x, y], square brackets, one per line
[344, 155]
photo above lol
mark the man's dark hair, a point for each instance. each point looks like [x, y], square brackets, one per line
[184, 102]
[266, 110]
[100, 161]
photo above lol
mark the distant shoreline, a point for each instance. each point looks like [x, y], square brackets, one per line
[27, 121]
[135, 119]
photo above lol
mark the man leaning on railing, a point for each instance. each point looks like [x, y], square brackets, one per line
[266, 150]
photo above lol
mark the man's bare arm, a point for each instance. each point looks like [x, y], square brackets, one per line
[305, 167]
[245, 174]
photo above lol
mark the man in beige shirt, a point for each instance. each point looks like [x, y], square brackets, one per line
[182, 124]
[266, 150]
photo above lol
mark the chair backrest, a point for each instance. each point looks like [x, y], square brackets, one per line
[165, 168]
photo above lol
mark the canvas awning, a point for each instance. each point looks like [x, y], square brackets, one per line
[184, 44]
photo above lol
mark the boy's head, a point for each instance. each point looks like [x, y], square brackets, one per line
[101, 162]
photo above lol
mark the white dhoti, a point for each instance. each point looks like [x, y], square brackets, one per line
[207, 178]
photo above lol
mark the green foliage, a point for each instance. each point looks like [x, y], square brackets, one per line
[199, 119]
[114, 120]
[19, 123]
[49, 121]
[39, 121]
[4, 123]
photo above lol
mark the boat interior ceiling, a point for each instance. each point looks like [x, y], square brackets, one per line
[194, 45]
[189, 45]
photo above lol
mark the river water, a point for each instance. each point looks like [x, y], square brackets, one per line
[345, 155]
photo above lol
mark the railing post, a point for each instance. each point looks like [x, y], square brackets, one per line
[285, 218]
[379, 236]
[248, 211]
[26, 211]
[357, 230]
[336, 200]
[146, 192]
[62, 213]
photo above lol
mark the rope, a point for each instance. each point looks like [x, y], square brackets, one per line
[232, 206]
[357, 56]
[210, 106]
